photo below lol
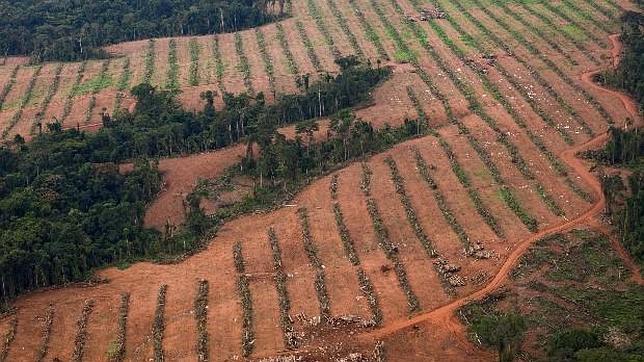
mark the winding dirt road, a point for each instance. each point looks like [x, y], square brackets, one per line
[445, 316]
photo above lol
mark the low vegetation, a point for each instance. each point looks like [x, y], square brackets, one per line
[290, 59]
[81, 331]
[26, 98]
[8, 86]
[322, 26]
[266, 59]
[243, 66]
[384, 242]
[201, 316]
[290, 337]
[116, 350]
[369, 31]
[314, 259]
[8, 338]
[52, 88]
[172, 78]
[158, 324]
[46, 334]
[310, 47]
[193, 72]
[243, 288]
[219, 64]
[69, 102]
[548, 299]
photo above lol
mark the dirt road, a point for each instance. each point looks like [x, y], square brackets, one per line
[445, 316]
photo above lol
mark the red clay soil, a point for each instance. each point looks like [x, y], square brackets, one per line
[14, 97]
[445, 318]
[180, 177]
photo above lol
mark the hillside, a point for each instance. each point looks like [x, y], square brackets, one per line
[384, 250]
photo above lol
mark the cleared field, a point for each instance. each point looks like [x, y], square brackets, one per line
[406, 233]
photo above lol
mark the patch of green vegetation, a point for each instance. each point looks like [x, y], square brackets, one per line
[587, 260]
[574, 31]
[403, 56]
[94, 85]
[584, 308]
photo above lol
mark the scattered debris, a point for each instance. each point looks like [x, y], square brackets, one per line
[448, 272]
[431, 13]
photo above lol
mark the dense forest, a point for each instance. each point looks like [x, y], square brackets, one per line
[625, 201]
[629, 75]
[75, 29]
[67, 209]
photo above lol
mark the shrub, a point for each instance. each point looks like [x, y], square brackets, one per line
[201, 316]
[158, 325]
[81, 331]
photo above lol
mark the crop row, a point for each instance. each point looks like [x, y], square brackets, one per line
[69, 102]
[446, 211]
[201, 316]
[8, 339]
[423, 120]
[410, 211]
[586, 16]
[543, 82]
[507, 196]
[158, 325]
[529, 99]
[390, 250]
[290, 59]
[342, 22]
[403, 54]
[266, 59]
[81, 331]
[347, 241]
[290, 338]
[560, 13]
[243, 288]
[561, 170]
[310, 49]
[243, 66]
[533, 29]
[123, 83]
[51, 91]
[314, 12]
[219, 63]
[533, 51]
[103, 78]
[172, 81]
[9, 85]
[116, 351]
[314, 259]
[462, 177]
[193, 72]
[148, 62]
[617, 8]
[577, 42]
[472, 99]
[26, 97]
[517, 118]
[369, 31]
[350, 251]
[46, 334]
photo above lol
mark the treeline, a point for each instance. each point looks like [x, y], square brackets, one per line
[629, 75]
[63, 215]
[73, 29]
[159, 126]
[625, 202]
[67, 209]
[285, 162]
